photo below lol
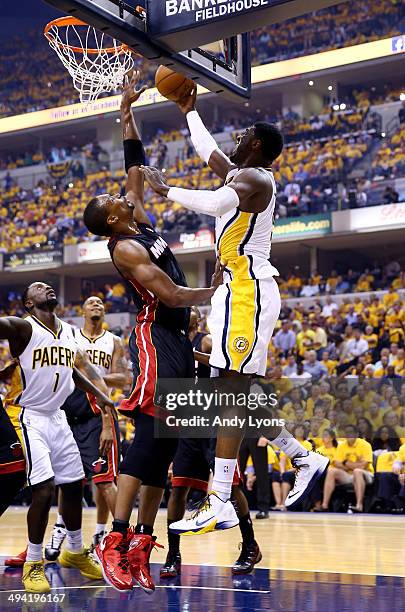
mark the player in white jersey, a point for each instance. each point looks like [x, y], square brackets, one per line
[96, 433]
[48, 362]
[246, 307]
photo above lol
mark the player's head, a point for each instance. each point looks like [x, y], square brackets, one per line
[39, 295]
[262, 142]
[195, 318]
[106, 215]
[93, 309]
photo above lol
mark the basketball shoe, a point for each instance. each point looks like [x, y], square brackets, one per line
[139, 551]
[96, 540]
[309, 468]
[250, 555]
[34, 579]
[53, 548]
[82, 561]
[17, 561]
[172, 566]
[112, 555]
[212, 514]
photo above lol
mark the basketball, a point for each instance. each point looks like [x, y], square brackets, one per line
[172, 85]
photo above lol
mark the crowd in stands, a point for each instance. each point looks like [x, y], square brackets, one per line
[91, 151]
[338, 369]
[311, 175]
[331, 28]
[32, 78]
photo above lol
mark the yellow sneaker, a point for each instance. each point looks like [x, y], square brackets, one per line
[83, 562]
[34, 579]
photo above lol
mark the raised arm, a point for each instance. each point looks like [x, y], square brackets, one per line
[133, 149]
[245, 192]
[134, 261]
[119, 375]
[202, 140]
[18, 333]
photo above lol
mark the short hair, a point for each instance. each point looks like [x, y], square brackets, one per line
[271, 138]
[24, 297]
[95, 219]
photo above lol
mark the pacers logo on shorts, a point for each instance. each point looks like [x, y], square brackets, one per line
[241, 344]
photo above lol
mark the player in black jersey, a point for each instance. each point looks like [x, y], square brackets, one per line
[159, 347]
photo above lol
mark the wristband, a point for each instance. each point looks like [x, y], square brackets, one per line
[134, 153]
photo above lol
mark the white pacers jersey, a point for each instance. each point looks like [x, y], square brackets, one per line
[243, 239]
[46, 367]
[100, 350]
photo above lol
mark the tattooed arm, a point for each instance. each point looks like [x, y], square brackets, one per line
[87, 379]
[119, 375]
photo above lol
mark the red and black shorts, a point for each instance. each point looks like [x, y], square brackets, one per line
[194, 459]
[156, 353]
[87, 435]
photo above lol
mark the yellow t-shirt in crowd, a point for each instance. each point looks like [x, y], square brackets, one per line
[385, 461]
[330, 453]
[401, 453]
[360, 450]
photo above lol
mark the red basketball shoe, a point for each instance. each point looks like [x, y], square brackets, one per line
[17, 561]
[112, 554]
[139, 551]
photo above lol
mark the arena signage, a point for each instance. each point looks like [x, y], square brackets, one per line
[30, 260]
[310, 225]
[93, 251]
[260, 74]
[372, 218]
[202, 10]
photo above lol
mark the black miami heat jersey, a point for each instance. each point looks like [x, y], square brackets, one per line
[149, 308]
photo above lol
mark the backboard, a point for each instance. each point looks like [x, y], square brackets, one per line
[176, 33]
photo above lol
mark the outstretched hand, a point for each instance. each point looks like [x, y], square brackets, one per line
[187, 102]
[155, 179]
[218, 276]
[129, 92]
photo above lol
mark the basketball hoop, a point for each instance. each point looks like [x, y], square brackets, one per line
[94, 67]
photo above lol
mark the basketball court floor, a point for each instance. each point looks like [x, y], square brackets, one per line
[327, 563]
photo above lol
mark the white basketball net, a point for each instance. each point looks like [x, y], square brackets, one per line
[94, 67]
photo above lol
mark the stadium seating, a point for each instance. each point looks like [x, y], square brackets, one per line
[31, 77]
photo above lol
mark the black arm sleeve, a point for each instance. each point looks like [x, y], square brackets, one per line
[134, 153]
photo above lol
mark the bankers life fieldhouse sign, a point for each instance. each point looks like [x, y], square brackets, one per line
[202, 10]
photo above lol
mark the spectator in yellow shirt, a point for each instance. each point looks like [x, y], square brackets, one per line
[353, 464]
[391, 479]
[390, 297]
[399, 362]
[330, 364]
[328, 449]
[305, 338]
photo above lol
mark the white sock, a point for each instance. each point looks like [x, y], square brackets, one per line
[34, 552]
[74, 541]
[223, 477]
[100, 528]
[59, 520]
[288, 444]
